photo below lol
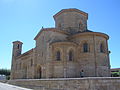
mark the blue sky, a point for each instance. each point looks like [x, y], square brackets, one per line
[22, 20]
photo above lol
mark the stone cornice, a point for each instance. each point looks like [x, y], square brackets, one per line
[17, 42]
[26, 53]
[115, 69]
[50, 29]
[90, 33]
[71, 10]
[63, 43]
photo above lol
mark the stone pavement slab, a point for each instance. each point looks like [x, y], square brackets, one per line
[4, 86]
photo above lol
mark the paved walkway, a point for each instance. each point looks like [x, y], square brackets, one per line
[4, 86]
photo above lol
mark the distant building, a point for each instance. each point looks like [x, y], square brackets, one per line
[63, 51]
[2, 77]
[115, 72]
[115, 69]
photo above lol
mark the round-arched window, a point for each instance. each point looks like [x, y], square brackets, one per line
[70, 55]
[102, 48]
[58, 56]
[85, 47]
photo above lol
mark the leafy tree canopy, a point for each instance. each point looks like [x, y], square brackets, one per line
[5, 72]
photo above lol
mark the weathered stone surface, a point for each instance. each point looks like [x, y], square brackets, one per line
[92, 83]
[70, 36]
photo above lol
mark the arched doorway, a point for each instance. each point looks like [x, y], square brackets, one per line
[39, 72]
[24, 71]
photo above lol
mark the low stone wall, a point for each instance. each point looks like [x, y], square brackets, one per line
[90, 83]
[4, 81]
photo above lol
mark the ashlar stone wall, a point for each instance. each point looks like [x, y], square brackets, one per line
[96, 83]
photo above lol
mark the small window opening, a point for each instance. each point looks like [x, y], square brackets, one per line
[70, 56]
[85, 47]
[101, 48]
[18, 46]
[58, 56]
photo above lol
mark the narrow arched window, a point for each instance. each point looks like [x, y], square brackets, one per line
[31, 62]
[71, 55]
[20, 65]
[80, 25]
[18, 46]
[101, 47]
[59, 25]
[58, 56]
[85, 47]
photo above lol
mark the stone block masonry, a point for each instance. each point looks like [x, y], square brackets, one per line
[87, 83]
[63, 51]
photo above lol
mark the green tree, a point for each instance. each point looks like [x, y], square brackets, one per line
[5, 72]
[115, 74]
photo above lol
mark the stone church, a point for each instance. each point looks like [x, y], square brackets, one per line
[63, 51]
